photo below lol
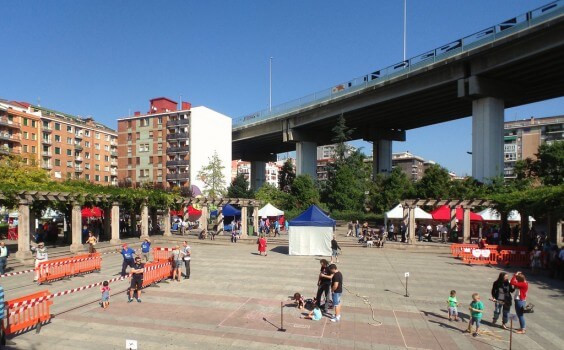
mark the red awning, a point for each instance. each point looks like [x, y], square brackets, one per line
[193, 214]
[443, 214]
[93, 212]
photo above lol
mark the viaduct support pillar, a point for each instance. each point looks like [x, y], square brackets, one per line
[381, 157]
[487, 138]
[258, 174]
[306, 159]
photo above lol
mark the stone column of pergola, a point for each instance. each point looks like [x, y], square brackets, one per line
[24, 251]
[76, 228]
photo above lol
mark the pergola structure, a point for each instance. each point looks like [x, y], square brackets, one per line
[205, 202]
[409, 206]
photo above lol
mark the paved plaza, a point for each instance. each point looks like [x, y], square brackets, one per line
[233, 298]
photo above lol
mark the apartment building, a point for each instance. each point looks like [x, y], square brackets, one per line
[67, 146]
[169, 146]
[522, 139]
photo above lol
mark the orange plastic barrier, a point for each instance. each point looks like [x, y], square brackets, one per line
[515, 258]
[27, 312]
[162, 253]
[64, 267]
[156, 271]
[482, 257]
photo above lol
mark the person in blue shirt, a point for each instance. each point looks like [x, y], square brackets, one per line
[146, 249]
[128, 256]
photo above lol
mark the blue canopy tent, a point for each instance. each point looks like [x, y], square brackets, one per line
[230, 214]
[310, 233]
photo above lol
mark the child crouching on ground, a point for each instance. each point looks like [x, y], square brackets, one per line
[476, 308]
[105, 289]
[452, 306]
[299, 301]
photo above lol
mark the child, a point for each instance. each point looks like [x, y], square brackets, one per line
[105, 289]
[314, 315]
[476, 308]
[452, 306]
[299, 301]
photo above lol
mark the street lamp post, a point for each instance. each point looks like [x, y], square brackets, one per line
[270, 84]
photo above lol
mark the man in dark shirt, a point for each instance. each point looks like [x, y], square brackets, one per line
[136, 276]
[337, 290]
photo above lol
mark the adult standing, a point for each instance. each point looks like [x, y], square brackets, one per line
[146, 250]
[128, 255]
[91, 240]
[262, 244]
[357, 229]
[136, 277]
[3, 257]
[186, 256]
[350, 228]
[176, 263]
[337, 291]
[40, 256]
[518, 281]
[501, 294]
[335, 250]
[323, 285]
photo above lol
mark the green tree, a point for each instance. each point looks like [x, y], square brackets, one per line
[304, 192]
[387, 191]
[286, 176]
[549, 166]
[239, 188]
[347, 183]
[435, 183]
[212, 177]
[341, 134]
[271, 194]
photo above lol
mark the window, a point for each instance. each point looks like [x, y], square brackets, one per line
[160, 147]
[106, 168]
[87, 144]
[107, 137]
[144, 147]
[57, 138]
[144, 122]
[33, 148]
[150, 160]
[159, 120]
[87, 133]
[137, 160]
[25, 121]
[57, 162]
[160, 159]
[69, 128]
[58, 175]
[69, 140]
[69, 152]
[97, 146]
[129, 137]
[69, 163]
[97, 156]
[151, 134]
[106, 147]
[33, 137]
[25, 135]
[87, 166]
[129, 124]
[97, 167]
[107, 158]
[159, 172]
[128, 149]
[57, 150]
[137, 136]
[97, 177]
[97, 135]
[87, 176]
[129, 161]
[25, 148]
[57, 126]
[106, 179]
[33, 125]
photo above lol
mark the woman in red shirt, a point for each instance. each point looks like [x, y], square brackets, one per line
[519, 282]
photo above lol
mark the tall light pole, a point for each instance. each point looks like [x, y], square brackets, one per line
[270, 84]
[404, 26]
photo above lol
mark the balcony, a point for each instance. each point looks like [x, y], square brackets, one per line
[78, 147]
[178, 176]
[184, 149]
[78, 159]
[114, 153]
[180, 162]
[172, 123]
[77, 169]
[113, 143]
[10, 137]
[46, 141]
[8, 150]
[46, 154]
[47, 129]
[6, 122]
[78, 135]
[113, 162]
[113, 172]
[47, 166]
[178, 136]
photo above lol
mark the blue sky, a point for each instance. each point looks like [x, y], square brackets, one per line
[108, 58]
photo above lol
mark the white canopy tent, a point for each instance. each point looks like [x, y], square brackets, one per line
[311, 233]
[491, 214]
[397, 214]
[269, 210]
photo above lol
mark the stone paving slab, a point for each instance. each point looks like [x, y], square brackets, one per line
[232, 301]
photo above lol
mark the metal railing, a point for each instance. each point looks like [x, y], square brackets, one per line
[180, 162]
[5, 121]
[171, 123]
[178, 176]
[184, 149]
[478, 39]
[9, 137]
[178, 136]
